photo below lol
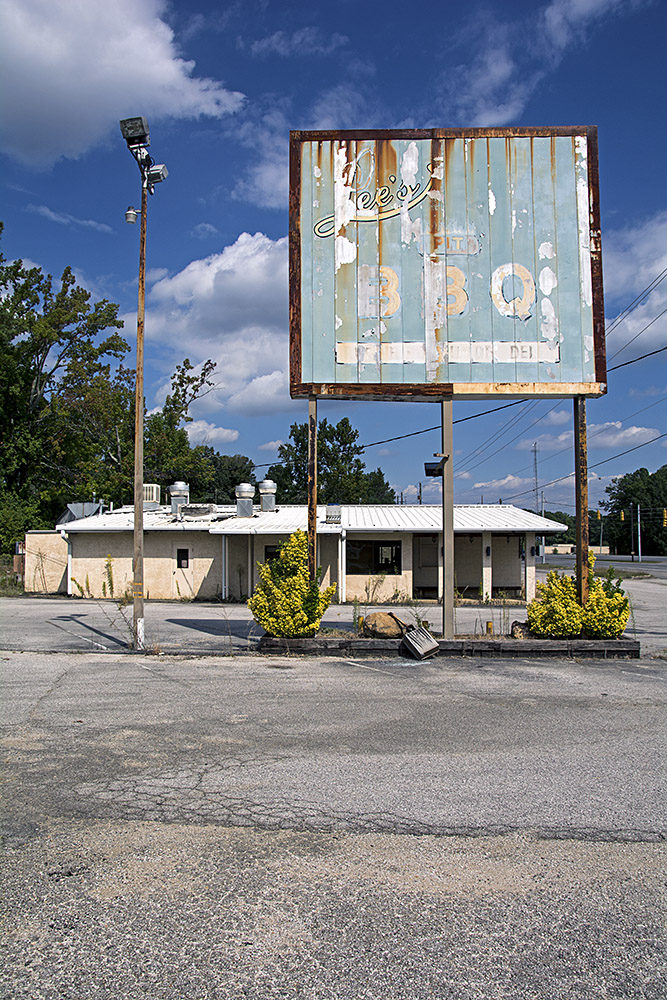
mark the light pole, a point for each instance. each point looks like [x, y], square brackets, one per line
[135, 133]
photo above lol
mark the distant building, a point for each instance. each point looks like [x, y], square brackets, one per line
[211, 552]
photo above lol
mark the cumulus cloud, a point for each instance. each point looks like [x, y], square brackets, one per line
[204, 231]
[71, 70]
[270, 445]
[608, 435]
[203, 432]
[231, 307]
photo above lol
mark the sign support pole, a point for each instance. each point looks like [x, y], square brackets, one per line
[581, 489]
[447, 520]
[312, 489]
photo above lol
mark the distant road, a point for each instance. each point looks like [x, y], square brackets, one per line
[655, 565]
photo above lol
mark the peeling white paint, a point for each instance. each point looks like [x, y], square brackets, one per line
[345, 251]
[410, 164]
[339, 322]
[581, 168]
[492, 202]
[548, 281]
[513, 220]
[438, 168]
[410, 229]
[545, 251]
[588, 348]
[549, 323]
[317, 171]
[344, 201]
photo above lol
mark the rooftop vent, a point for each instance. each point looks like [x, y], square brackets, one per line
[180, 494]
[267, 493]
[245, 493]
[333, 513]
[151, 496]
[195, 511]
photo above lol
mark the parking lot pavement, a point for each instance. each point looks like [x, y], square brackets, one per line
[62, 623]
[217, 828]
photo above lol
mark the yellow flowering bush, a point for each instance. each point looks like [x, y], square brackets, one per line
[285, 603]
[607, 609]
[556, 614]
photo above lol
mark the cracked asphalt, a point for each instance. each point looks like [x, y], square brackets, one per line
[212, 827]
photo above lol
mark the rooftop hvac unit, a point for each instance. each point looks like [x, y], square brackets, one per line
[333, 513]
[151, 493]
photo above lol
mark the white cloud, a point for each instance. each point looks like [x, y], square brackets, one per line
[308, 41]
[556, 418]
[514, 57]
[632, 259]
[65, 219]
[508, 484]
[203, 432]
[608, 435]
[231, 307]
[71, 70]
[204, 231]
[270, 445]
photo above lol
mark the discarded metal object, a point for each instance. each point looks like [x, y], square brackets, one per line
[420, 644]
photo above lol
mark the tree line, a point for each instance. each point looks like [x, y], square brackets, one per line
[67, 408]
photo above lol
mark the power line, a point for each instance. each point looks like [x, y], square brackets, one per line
[594, 466]
[634, 360]
[628, 309]
[643, 330]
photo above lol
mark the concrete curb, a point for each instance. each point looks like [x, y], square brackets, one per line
[499, 648]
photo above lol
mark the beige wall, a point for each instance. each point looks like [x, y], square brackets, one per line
[507, 572]
[392, 587]
[45, 563]
[162, 579]
[468, 562]
[245, 551]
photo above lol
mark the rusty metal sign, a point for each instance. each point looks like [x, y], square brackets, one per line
[435, 263]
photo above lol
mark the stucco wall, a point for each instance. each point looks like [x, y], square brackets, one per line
[391, 587]
[162, 579]
[507, 571]
[467, 561]
[45, 563]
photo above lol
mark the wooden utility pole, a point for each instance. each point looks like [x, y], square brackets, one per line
[312, 489]
[447, 520]
[581, 489]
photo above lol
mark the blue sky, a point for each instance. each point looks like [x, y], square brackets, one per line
[221, 86]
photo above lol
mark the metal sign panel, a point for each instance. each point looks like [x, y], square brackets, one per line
[433, 263]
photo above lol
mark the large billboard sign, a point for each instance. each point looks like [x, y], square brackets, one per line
[427, 264]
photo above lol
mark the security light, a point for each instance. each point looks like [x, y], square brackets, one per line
[131, 214]
[157, 173]
[135, 131]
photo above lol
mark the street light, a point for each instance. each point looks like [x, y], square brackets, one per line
[135, 132]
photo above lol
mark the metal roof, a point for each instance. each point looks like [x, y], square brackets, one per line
[368, 518]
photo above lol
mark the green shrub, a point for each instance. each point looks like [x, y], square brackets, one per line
[285, 603]
[607, 610]
[555, 613]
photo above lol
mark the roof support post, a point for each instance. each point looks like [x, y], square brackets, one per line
[487, 565]
[312, 489]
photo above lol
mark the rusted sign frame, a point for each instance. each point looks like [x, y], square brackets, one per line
[431, 392]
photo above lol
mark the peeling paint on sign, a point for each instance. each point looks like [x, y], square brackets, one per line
[427, 259]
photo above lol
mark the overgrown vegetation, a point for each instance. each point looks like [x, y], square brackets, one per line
[556, 613]
[285, 603]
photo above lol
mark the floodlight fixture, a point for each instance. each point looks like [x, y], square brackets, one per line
[131, 214]
[135, 132]
[156, 173]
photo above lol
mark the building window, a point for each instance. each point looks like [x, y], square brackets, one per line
[271, 552]
[182, 558]
[371, 558]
